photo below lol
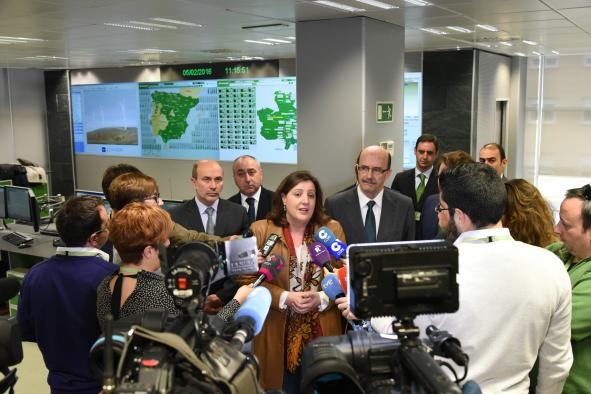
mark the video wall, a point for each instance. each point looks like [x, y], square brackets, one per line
[196, 119]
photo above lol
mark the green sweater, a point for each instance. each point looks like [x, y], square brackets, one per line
[579, 379]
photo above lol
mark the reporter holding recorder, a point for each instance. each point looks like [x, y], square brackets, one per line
[300, 311]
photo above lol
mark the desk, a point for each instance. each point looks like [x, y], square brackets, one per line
[41, 248]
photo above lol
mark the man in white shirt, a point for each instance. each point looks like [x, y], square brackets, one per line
[248, 176]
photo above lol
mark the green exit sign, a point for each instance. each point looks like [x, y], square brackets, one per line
[384, 112]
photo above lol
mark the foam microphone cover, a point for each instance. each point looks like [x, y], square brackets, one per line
[319, 254]
[332, 287]
[9, 287]
[255, 307]
[272, 267]
[342, 274]
[325, 236]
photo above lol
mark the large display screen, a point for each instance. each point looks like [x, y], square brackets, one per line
[203, 119]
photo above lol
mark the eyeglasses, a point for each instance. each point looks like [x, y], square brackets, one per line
[365, 169]
[439, 208]
[155, 197]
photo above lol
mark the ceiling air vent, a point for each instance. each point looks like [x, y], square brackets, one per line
[266, 27]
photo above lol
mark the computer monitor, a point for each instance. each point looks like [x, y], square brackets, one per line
[21, 205]
[93, 193]
[2, 202]
[169, 204]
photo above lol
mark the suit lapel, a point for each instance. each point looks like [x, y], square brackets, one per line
[194, 216]
[386, 217]
[220, 218]
[352, 200]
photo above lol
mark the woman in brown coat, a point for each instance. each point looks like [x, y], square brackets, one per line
[300, 311]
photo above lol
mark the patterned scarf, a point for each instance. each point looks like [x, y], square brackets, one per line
[301, 329]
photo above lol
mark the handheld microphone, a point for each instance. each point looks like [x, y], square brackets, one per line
[249, 319]
[332, 287]
[325, 236]
[320, 255]
[9, 287]
[269, 245]
[342, 274]
[445, 345]
[270, 269]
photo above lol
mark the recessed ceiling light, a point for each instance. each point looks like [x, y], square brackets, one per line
[460, 29]
[419, 3]
[130, 26]
[536, 53]
[378, 4]
[258, 58]
[505, 43]
[434, 31]
[482, 44]
[339, 6]
[150, 50]
[290, 38]
[529, 42]
[20, 39]
[487, 27]
[277, 40]
[259, 42]
[153, 24]
[556, 52]
[520, 53]
[43, 57]
[177, 22]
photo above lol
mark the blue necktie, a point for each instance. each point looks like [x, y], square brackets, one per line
[251, 210]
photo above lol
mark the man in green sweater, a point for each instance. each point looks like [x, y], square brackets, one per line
[574, 229]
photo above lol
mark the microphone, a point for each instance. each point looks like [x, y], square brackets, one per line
[249, 319]
[320, 255]
[343, 280]
[332, 287]
[325, 236]
[247, 233]
[9, 287]
[445, 345]
[270, 269]
[269, 245]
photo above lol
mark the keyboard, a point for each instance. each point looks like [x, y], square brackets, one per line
[17, 239]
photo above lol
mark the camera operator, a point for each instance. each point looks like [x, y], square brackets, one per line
[57, 304]
[515, 302]
[139, 232]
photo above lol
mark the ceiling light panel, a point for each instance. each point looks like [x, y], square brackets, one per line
[487, 27]
[378, 4]
[460, 29]
[434, 31]
[177, 22]
[339, 6]
[419, 3]
[505, 43]
[124, 26]
[529, 42]
[277, 40]
[259, 42]
[153, 24]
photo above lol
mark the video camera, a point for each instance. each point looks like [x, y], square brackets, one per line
[193, 353]
[401, 280]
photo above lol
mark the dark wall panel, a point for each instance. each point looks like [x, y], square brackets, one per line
[59, 131]
[447, 97]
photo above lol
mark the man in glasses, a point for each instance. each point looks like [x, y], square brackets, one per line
[574, 229]
[57, 305]
[420, 182]
[371, 212]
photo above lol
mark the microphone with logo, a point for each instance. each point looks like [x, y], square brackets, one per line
[320, 256]
[332, 287]
[270, 269]
[326, 237]
[249, 319]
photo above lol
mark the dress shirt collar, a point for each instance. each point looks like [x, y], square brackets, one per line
[363, 199]
[81, 251]
[470, 236]
[202, 207]
[427, 173]
[256, 196]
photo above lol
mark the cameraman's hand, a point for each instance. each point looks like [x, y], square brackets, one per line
[213, 304]
[303, 301]
[343, 304]
[242, 293]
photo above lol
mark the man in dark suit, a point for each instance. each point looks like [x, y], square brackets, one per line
[207, 212]
[420, 182]
[493, 155]
[371, 212]
[248, 176]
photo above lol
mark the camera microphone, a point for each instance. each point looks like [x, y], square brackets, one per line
[320, 255]
[270, 269]
[445, 345]
[332, 287]
[249, 319]
[325, 236]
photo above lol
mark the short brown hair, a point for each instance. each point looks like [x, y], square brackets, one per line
[136, 226]
[456, 157]
[277, 214]
[527, 214]
[113, 172]
[131, 187]
[78, 219]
